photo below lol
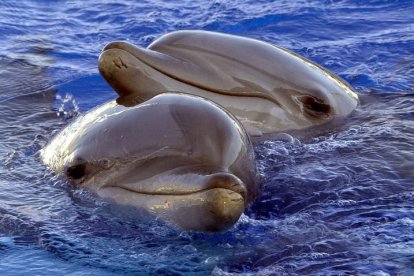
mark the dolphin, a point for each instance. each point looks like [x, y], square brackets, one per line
[268, 88]
[178, 156]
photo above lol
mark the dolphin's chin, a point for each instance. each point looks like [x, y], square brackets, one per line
[213, 209]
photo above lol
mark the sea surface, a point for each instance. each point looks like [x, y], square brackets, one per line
[335, 200]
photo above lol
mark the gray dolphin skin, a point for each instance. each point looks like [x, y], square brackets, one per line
[268, 88]
[178, 156]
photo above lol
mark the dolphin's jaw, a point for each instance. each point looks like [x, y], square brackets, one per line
[193, 201]
[175, 183]
[214, 209]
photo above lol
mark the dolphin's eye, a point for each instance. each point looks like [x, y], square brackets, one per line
[315, 107]
[77, 171]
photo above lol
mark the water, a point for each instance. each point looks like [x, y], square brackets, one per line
[335, 200]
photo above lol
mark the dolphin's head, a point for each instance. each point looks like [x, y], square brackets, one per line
[179, 156]
[264, 86]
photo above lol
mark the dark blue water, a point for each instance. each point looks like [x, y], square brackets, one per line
[338, 199]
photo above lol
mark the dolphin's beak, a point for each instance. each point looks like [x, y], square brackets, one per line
[195, 202]
[122, 66]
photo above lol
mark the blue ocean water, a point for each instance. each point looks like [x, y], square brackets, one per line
[336, 200]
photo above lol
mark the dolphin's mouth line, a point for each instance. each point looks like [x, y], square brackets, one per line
[201, 183]
[177, 193]
[233, 94]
